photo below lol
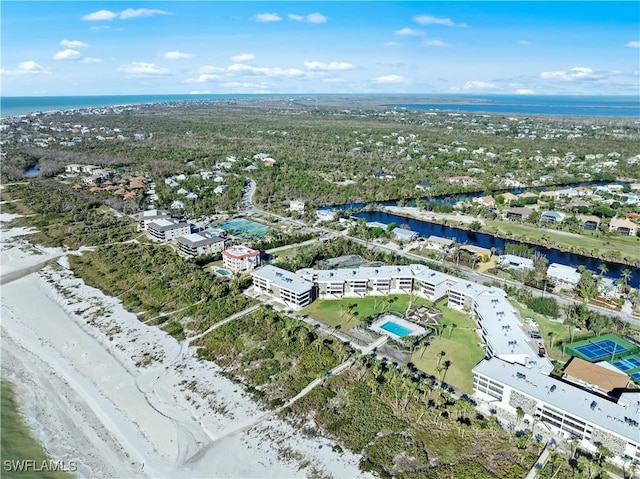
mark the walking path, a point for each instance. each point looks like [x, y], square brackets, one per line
[539, 465]
[237, 315]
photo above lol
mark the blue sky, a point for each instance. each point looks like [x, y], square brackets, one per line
[156, 47]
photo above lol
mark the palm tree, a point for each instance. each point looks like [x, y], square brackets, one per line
[440, 356]
[603, 269]
[626, 276]
[452, 327]
[446, 365]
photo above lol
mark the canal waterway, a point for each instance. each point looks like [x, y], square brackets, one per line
[425, 228]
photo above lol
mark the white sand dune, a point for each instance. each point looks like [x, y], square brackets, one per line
[126, 400]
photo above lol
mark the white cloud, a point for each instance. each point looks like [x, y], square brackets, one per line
[311, 18]
[316, 18]
[267, 17]
[633, 44]
[67, 54]
[73, 44]
[429, 20]
[100, 15]
[244, 57]
[209, 69]
[199, 92]
[334, 80]
[435, 43]
[332, 66]
[103, 15]
[203, 78]
[524, 42]
[140, 12]
[389, 79]
[266, 71]
[26, 68]
[176, 55]
[142, 69]
[576, 73]
[525, 91]
[391, 44]
[91, 60]
[478, 85]
[406, 31]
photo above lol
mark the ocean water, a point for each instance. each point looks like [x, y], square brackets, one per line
[555, 105]
[610, 106]
[23, 105]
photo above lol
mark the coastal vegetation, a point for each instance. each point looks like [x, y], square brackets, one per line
[161, 287]
[373, 408]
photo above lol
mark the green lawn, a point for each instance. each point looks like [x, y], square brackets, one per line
[335, 312]
[462, 347]
[611, 246]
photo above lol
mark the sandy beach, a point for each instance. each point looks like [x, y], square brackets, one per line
[123, 399]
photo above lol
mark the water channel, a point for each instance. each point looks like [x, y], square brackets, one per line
[426, 228]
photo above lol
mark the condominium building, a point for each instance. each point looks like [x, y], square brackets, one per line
[461, 294]
[167, 229]
[240, 258]
[563, 407]
[284, 286]
[195, 244]
[147, 216]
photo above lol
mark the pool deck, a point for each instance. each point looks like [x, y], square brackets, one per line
[414, 328]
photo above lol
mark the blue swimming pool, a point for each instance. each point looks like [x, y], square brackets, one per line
[396, 329]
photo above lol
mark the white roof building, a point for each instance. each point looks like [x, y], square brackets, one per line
[563, 274]
[283, 285]
[513, 261]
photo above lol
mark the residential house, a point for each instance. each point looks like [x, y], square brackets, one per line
[295, 205]
[528, 196]
[424, 185]
[167, 229]
[464, 180]
[404, 235]
[508, 197]
[439, 243]
[240, 258]
[487, 201]
[589, 222]
[285, 286]
[623, 226]
[563, 274]
[196, 244]
[381, 175]
[552, 217]
[326, 215]
[515, 262]
[519, 213]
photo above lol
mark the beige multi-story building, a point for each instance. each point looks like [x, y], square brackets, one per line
[195, 244]
[240, 258]
[284, 286]
[167, 229]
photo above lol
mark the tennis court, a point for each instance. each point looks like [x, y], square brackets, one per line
[601, 349]
[242, 227]
[627, 364]
[636, 376]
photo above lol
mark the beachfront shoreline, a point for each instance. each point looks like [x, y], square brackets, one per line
[78, 360]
